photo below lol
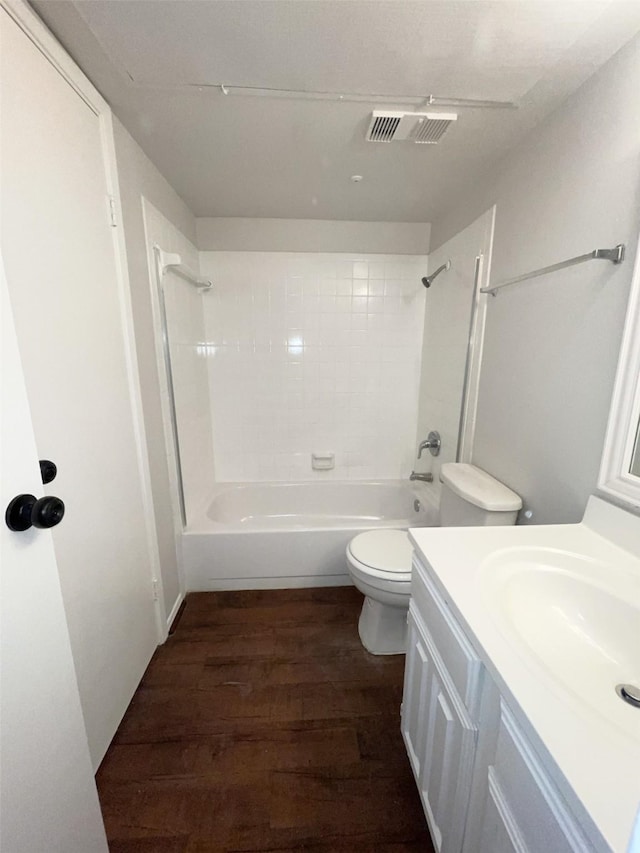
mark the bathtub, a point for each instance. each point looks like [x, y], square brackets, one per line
[275, 535]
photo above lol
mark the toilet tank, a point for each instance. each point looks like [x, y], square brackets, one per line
[472, 498]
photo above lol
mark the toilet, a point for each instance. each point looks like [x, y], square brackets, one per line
[380, 560]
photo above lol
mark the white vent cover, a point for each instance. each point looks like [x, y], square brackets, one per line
[422, 128]
[383, 126]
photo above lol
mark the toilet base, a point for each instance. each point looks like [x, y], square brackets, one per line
[383, 628]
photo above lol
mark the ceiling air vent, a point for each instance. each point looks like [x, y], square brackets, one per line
[431, 127]
[383, 126]
[423, 128]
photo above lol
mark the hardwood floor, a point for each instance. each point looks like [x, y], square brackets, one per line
[263, 725]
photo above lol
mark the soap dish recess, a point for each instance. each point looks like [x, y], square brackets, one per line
[323, 461]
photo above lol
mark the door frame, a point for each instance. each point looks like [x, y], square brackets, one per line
[165, 378]
[53, 51]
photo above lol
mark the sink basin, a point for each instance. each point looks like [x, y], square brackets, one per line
[578, 618]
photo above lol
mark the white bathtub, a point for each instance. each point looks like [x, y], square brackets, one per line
[274, 535]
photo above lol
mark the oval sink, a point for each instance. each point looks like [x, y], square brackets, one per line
[577, 617]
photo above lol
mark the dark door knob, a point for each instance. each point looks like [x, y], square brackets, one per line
[48, 470]
[26, 511]
[47, 512]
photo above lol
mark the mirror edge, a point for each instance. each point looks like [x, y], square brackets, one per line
[615, 483]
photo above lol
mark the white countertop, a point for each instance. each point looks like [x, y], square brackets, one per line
[599, 757]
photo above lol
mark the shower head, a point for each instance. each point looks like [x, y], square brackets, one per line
[428, 280]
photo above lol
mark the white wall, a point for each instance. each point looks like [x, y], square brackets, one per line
[137, 177]
[448, 305]
[313, 352]
[186, 330]
[551, 344]
[312, 235]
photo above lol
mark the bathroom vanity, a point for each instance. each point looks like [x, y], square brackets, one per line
[518, 637]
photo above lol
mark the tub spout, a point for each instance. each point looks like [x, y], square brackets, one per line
[425, 478]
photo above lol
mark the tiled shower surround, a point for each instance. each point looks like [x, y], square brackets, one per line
[313, 353]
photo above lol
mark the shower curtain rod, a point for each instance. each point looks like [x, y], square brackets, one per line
[173, 262]
[615, 255]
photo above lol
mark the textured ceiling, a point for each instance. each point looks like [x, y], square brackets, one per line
[159, 63]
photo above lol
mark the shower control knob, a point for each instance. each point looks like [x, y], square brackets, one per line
[432, 443]
[26, 511]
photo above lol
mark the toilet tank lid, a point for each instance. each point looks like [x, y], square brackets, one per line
[479, 488]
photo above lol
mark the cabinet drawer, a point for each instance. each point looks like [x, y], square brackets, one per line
[523, 803]
[457, 653]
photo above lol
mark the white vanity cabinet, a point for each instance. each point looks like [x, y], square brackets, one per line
[440, 739]
[438, 729]
[483, 786]
[515, 807]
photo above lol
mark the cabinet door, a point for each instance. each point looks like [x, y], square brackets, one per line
[500, 832]
[441, 736]
[413, 699]
[524, 811]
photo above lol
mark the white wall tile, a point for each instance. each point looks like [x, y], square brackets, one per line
[297, 348]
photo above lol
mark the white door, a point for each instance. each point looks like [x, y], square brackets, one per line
[524, 812]
[70, 314]
[440, 739]
[414, 718]
[447, 765]
[48, 799]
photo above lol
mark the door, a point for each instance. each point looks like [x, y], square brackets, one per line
[440, 739]
[70, 312]
[524, 812]
[416, 674]
[448, 763]
[48, 799]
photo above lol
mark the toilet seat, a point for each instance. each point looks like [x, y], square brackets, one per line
[384, 554]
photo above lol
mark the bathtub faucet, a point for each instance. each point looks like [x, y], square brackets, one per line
[425, 478]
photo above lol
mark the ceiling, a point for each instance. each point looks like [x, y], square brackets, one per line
[160, 64]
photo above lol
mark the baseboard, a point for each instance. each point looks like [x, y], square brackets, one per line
[174, 611]
[295, 582]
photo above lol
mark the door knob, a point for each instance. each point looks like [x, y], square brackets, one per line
[48, 470]
[27, 511]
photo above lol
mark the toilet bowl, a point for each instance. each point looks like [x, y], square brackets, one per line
[379, 561]
[380, 567]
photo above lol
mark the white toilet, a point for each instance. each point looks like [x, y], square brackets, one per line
[380, 560]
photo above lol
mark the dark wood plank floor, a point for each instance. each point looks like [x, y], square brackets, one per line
[263, 725]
